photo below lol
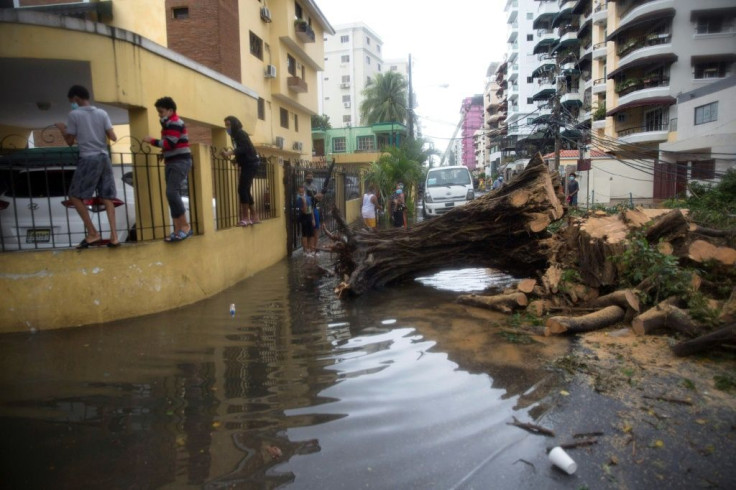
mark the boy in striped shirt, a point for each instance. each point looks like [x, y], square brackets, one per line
[174, 144]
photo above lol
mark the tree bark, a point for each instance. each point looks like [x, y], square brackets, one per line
[505, 303]
[505, 229]
[725, 335]
[586, 323]
[664, 316]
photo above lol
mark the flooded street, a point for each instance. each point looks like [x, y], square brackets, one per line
[400, 388]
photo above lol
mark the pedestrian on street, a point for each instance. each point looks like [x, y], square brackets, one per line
[498, 183]
[305, 218]
[174, 144]
[90, 127]
[370, 208]
[248, 160]
[572, 191]
[316, 195]
[398, 206]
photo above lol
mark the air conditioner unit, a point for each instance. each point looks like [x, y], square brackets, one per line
[297, 146]
[270, 71]
[279, 142]
[345, 85]
[265, 14]
[347, 105]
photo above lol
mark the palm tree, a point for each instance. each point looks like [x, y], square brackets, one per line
[392, 167]
[385, 99]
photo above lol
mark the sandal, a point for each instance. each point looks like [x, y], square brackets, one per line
[113, 245]
[179, 236]
[85, 244]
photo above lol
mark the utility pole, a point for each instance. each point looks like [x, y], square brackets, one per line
[411, 104]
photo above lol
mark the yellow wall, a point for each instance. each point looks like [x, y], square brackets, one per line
[144, 17]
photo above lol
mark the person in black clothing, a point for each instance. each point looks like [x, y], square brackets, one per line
[247, 159]
[572, 191]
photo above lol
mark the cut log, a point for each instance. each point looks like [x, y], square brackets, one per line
[625, 298]
[551, 279]
[670, 226]
[505, 230]
[665, 316]
[526, 285]
[606, 317]
[539, 307]
[505, 303]
[701, 251]
[711, 232]
[725, 335]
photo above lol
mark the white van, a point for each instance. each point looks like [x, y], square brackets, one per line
[446, 188]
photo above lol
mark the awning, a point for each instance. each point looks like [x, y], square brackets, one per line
[543, 119]
[544, 43]
[562, 15]
[542, 20]
[713, 58]
[722, 12]
[651, 101]
[579, 7]
[544, 94]
[545, 67]
[642, 19]
[651, 61]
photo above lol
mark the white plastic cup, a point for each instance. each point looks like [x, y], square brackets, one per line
[562, 460]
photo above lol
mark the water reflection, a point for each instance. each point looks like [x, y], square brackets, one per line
[401, 387]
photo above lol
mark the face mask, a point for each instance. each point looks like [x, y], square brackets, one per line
[572, 178]
[309, 181]
[399, 191]
[75, 106]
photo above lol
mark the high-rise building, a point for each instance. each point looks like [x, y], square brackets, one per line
[472, 113]
[352, 59]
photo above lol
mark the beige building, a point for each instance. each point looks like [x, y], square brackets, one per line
[128, 59]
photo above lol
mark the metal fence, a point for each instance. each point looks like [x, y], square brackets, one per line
[35, 211]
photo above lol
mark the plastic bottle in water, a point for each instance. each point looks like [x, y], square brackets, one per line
[232, 310]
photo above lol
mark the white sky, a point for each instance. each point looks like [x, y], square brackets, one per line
[451, 43]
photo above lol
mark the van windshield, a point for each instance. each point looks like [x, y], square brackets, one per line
[448, 176]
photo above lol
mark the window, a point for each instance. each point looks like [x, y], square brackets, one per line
[529, 100]
[529, 79]
[366, 143]
[394, 68]
[706, 113]
[345, 58]
[709, 25]
[256, 46]
[346, 120]
[338, 145]
[378, 48]
[284, 118]
[530, 120]
[346, 79]
[530, 15]
[291, 65]
[367, 60]
[368, 41]
[368, 80]
[379, 67]
[180, 13]
[704, 170]
[344, 39]
[296, 123]
[261, 109]
[298, 12]
[711, 69]
[346, 98]
[530, 37]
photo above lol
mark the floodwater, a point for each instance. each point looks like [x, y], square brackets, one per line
[400, 388]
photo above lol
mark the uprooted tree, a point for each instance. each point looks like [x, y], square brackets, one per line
[652, 269]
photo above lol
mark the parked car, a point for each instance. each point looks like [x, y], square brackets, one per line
[35, 212]
[446, 188]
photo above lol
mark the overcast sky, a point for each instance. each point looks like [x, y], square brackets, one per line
[451, 45]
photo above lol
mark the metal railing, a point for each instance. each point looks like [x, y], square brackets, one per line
[645, 128]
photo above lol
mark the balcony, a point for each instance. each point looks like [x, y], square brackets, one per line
[650, 86]
[544, 91]
[600, 12]
[645, 133]
[546, 12]
[652, 8]
[573, 98]
[304, 31]
[297, 85]
[664, 60]
[545, 43]
[599, 86]
[599, 50]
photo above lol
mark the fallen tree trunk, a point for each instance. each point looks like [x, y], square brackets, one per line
[586, 323]
[625, 298]
[505, 229]
[664, 316]
[505, 303]
[725, 335]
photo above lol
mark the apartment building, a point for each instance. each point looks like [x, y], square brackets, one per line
[472, 120]
[492, 119]
[352, 58]
[521, 62]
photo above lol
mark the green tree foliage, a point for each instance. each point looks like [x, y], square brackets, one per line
[395, 165]
[385, 99]
[712, 205]
[321, 122]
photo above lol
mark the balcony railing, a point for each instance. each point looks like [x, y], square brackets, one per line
[297, 84]
[304, 31]
[634, 43]
[645, 128]
[634, 84]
